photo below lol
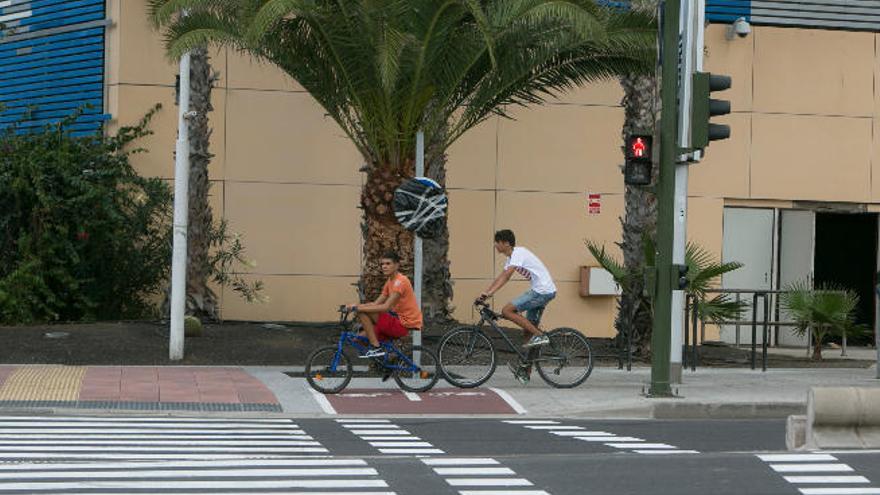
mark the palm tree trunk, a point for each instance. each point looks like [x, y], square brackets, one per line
[380, 229]
[437, 285]
[201, 300]
[634, 315]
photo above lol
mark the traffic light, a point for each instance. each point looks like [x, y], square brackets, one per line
[704, 108]
[639, 150]
[681, 276]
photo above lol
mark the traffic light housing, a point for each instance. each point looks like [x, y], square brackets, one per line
[704, 107]
[639, 148]
[680, 272]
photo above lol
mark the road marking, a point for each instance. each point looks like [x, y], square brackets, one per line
[666, 452]
[530, 421]
[460, 461]
[638, 445]
[489, 482]
[194, 465]
[509, 399]
[471, 471]
[322, 401]
[826, 479]
[840, 491]
[411, 451]
[490, 476]
[342, 420]
[189, 484]
[413, 397]
[610, 439]
[114, 419]
[816, 463]
[400, 438]
[380, 432]
[807, 468]
[377, 426]
[502, 492]
[177, 473]
[554, 428]
[401, 444]
[796, 457]
[582, 433]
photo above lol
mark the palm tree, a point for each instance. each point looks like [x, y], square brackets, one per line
[384, 69]
[704, 273]
[822, 312]
[201, 301]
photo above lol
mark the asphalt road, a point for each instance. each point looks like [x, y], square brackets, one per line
[417, 456]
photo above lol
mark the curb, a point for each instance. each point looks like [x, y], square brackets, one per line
[716, 410]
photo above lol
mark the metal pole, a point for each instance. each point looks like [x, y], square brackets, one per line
[679, 245]
[661, 339]
[181, 210]
[419, 249]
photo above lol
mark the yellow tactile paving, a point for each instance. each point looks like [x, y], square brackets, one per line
[43, 383]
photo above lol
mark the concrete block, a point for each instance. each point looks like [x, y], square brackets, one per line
[796, 432]
[843, 417]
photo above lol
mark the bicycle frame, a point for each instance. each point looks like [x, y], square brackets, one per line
[487, 316]
[361, 344]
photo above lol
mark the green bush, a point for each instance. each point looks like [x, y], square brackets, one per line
[82, 236]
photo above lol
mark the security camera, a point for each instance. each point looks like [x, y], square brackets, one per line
[740, 28]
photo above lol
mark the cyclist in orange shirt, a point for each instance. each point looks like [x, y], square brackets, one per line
[394, 313]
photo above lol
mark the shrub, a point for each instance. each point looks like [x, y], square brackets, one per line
[82, 236]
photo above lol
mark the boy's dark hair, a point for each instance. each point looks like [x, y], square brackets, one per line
[391, 255]
[507, 236]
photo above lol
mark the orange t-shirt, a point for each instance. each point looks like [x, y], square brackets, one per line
[406, 308]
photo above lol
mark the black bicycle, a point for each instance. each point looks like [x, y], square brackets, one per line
[468, 357]
[329, 368]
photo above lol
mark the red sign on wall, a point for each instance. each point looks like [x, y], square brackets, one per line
[594, 203]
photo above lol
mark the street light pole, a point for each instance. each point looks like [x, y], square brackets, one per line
[181, 210]
[661, 336]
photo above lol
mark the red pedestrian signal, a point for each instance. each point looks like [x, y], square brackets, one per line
[638, 148]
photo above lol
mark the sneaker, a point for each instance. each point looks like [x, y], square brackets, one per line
[537, 340]
[373, 352]
[519, 373]
[387, 374]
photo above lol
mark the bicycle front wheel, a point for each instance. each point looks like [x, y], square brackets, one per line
[467, 357]
[327, 374]
[567, 360]
[418, 378]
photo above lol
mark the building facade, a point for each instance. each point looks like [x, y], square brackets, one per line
[794, 192]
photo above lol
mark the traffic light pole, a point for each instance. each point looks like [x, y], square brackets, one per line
[661, 339]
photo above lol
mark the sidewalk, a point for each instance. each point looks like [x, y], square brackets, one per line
[609, 393]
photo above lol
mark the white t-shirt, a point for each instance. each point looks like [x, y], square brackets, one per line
[529, 266]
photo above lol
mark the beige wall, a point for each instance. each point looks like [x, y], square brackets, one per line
[286, 178]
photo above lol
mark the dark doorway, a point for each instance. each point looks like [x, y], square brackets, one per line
[846, 256]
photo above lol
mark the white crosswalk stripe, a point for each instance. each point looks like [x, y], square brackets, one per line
[389, 438]
[631, 444]
[156, 438]
[809, 472]
[481, 475]
[244, 476]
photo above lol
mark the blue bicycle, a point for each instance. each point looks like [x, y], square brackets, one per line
[329, 369]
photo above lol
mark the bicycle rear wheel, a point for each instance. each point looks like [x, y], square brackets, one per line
[323, 376]
[567, 360]
[467, 357]
[422, 378]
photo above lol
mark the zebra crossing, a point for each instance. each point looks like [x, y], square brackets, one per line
[150, 438]
[481, 476]
[631, 444]
[243, 476]
[388, 438]
[819, 474]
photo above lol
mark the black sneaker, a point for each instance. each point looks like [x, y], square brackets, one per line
[520, 373]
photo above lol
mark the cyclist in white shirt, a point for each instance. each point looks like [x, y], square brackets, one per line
[532, 302]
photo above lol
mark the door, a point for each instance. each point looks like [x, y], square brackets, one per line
[748, 239]
[796, 248]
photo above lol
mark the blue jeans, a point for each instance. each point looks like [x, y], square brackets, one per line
[532, 304]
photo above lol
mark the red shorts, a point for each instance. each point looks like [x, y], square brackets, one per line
[389, 327]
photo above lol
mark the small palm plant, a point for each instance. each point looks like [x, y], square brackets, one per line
[824, 311]
[704, 271]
